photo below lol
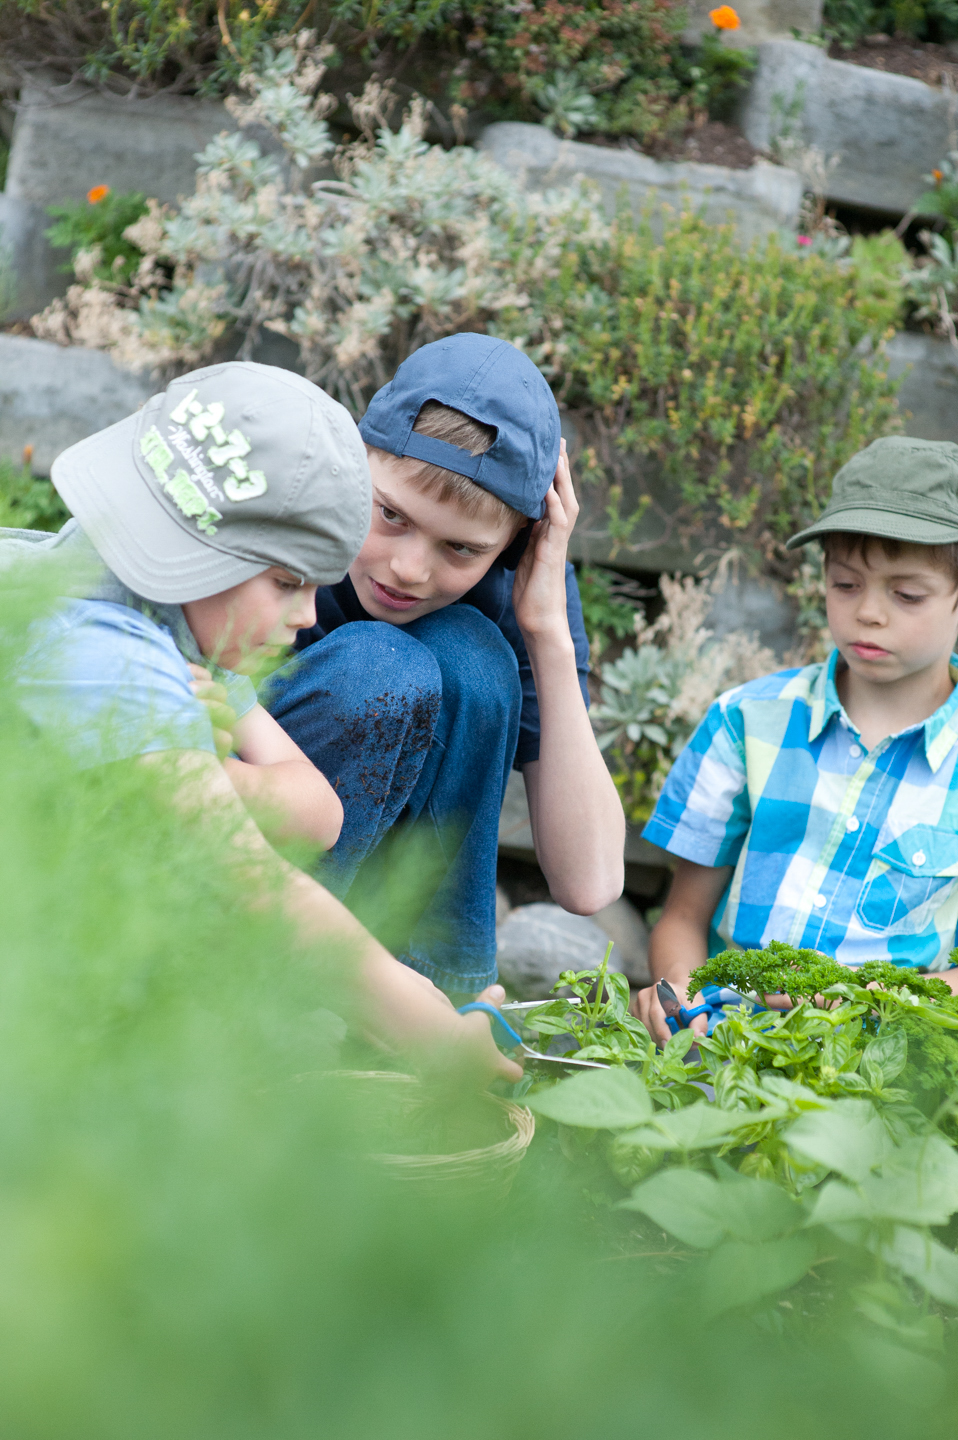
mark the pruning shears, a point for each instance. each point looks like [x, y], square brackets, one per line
[508, 1039]
[679, 1017]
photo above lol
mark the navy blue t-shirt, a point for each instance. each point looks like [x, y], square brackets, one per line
[338, 605]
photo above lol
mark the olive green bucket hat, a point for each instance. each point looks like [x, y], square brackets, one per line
[899, 488]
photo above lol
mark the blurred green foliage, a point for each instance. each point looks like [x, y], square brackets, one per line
[196, 1240]
[849, 21]
[608, 605]
[97, 227]
[28, 503]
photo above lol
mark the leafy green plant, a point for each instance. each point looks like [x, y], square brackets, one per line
[28, 503]
[97, 227]
[601, 1025]
[849, 21]
[812, 1137]
[608, 606]
[653, 696]
[198, 46]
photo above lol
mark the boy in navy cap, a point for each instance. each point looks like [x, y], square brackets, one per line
[455, 649]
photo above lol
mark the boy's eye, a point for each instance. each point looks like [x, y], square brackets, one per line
[463, 550]
[910, 599]
[392, 517]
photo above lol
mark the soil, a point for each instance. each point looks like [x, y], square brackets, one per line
[712, 143]
[17, 327]
[922, 60]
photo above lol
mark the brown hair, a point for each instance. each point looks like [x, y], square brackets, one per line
[839, 543]
[441, 422]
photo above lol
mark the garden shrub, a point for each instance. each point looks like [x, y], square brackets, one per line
[740, 380]
[849, 21]
[410, 242]
[96, 226]
[186, 46]
[610, 65]
[615, 68]
[656, 693]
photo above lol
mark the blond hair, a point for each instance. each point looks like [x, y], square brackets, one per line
[441, 422]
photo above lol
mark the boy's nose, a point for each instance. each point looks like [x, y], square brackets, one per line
[410, 567]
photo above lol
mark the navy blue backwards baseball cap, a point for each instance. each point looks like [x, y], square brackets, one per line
[494, 383]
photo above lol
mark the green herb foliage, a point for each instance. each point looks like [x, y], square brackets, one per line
[197, 1241]
[100, 228]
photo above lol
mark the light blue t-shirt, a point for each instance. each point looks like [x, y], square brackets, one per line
[109, 675]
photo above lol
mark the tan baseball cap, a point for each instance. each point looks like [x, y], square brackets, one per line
[230, 470]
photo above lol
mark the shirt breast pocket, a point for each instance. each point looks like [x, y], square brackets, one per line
[908, 879]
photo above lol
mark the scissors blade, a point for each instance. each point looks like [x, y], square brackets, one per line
[668, 1000]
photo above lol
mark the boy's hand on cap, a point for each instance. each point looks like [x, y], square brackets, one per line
[222, 715]
[539, 593]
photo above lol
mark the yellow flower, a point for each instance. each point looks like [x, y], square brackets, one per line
[98, 193]
[725, 18]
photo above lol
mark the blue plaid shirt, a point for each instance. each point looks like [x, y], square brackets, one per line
[850, 851]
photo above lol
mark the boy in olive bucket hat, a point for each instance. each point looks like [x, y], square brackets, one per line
[202, 527]
[454, 650]
[820, 806]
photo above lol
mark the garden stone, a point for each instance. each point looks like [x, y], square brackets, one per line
[622, 923]
[757, 606]
[503, 908]
[761, 20]
[929, 390]
[66, 139]
[889, 130]
[535, 943]
[51, 396]
[760, 200]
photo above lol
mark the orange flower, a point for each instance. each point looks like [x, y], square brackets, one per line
[98, 193]
[937, 176]
[725, 18]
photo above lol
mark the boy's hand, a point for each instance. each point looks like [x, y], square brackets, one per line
[538, 594]
[222, 715]
[647, 1007]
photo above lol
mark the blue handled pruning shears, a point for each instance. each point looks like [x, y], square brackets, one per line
[679, 1017]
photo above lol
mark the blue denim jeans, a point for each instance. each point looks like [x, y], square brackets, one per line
[415, 726]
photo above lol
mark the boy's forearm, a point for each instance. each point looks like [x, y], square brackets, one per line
[289, 799]
[402, 1008]
[576, 815]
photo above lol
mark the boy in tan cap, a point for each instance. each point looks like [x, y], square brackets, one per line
[203, 525]
[820, 806]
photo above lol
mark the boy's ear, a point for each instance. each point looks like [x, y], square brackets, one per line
[514, 551]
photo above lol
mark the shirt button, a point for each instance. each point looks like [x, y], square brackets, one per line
[851, 823]
[918, 858]
[819, 901]
[854, 751]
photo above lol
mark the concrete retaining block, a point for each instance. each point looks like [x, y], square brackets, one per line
[889, 130]
[67, 139]
[929, 390]
[53, 395]
[759, 200]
